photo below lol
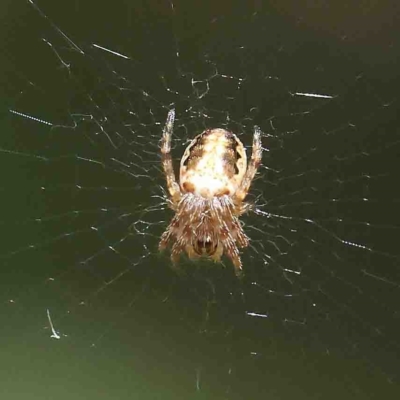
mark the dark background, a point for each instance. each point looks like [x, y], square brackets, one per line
[317, 313]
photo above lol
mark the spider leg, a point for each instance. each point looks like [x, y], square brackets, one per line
[166, 158]
[233, 253]
[231, 249]
[169, 233]
[176, 251]
[240, 237]
[216, 257]
[254, 163]
[165, 238]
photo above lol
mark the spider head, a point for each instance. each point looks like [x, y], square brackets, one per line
[205, 246]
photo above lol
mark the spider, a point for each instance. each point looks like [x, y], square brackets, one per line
[208, 201]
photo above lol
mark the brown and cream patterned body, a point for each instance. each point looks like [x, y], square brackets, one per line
[213, 164]
[214, 180]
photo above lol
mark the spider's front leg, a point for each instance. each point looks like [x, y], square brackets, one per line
[255, 162]
[166, 159]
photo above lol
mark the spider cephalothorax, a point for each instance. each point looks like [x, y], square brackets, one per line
[214, 181]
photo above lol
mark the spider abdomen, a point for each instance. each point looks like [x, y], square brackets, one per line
[213, 164]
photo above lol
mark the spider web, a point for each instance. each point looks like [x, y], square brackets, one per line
[84, 199]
